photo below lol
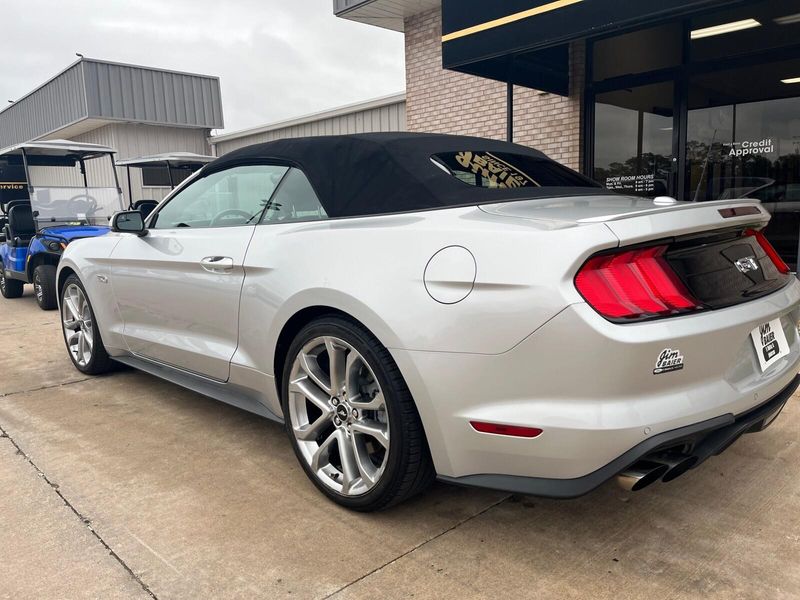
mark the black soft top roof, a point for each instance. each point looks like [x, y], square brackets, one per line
[378, 173]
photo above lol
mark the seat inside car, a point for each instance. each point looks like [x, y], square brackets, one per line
[21, 226]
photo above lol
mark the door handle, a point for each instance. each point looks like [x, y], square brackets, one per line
[217, 264]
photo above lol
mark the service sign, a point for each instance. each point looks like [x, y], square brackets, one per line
[13, 185]
[13, 190]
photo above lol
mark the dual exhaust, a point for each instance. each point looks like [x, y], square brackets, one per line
[664, 467]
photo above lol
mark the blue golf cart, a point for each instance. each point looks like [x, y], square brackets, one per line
[51, 193]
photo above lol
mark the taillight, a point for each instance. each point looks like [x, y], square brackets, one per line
[770, 251]
[634, 284]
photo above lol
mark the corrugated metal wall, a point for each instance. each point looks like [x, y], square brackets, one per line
[130, 141]
[58, 103]
[390, 117]
[115, 91]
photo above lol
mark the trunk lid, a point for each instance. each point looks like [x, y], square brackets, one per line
[710, 246]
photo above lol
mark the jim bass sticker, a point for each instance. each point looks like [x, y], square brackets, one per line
[669, 360]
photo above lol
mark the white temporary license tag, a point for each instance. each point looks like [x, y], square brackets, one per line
[770, 343]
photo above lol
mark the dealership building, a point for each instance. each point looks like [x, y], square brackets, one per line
[696, 99]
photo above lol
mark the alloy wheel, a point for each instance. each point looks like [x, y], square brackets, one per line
[338, 416]
[78, 324]
[37, 288]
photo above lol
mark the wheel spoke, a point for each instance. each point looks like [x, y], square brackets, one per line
[73, 338]
[366, 469]
[347, 455]
[322, 455]
[71, 325]
[312, 430]
[308, 388]
[375, 430]
[311, 368]
[375, 403]
[72, 309]
[81, 346]
[337, 362]
[88, 338]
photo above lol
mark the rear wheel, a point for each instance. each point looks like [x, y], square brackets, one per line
[351, 419]
[44, 285]
[85, 347]
[10, 288]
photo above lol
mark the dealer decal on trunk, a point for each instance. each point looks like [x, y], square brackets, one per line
[669, 360]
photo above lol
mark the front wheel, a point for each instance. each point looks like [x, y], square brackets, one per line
[44, 286]
[351, 419]
[85, 347]
[10, 288]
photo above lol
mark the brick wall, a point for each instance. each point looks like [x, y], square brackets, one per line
[443, 101]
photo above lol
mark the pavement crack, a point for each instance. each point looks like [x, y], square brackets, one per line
[85, 520]
[418, 546]
[45, 387]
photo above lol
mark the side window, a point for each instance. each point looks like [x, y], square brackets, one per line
[295, 200]
[229, 198]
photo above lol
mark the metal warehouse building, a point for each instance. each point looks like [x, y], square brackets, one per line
[136, 110]
[387, 113]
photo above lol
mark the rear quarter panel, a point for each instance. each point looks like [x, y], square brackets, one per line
[372, 269]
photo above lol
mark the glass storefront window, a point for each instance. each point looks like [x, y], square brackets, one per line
[743, 140]
[738, 95]
[745, 29]
[633, 140]
[639, 51]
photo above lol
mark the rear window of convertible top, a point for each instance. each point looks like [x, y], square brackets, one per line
[502, 170]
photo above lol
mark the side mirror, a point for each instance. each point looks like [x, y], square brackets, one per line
[128, 221]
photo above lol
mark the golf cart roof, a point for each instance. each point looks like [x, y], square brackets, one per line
[59, 149]
[172, 159]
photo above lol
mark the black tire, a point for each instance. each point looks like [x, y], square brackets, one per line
[44, 286]
[409, 469]
[10, 288]
[99, 362]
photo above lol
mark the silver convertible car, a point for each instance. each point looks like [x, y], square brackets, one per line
[422, 306]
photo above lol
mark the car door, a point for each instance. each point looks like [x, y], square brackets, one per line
[178, 287]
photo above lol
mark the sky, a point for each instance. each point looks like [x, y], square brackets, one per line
[276, 59]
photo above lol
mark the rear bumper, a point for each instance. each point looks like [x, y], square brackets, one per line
[590, 386]
[703, 440]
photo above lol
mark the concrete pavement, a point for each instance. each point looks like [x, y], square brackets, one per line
[125, 486]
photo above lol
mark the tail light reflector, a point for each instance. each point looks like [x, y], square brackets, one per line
[512, 430]
[634, 284]
[770, 250]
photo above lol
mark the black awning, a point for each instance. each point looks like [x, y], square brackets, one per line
[481, 37]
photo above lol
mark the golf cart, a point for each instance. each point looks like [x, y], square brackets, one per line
[46, 202]
[170, 169]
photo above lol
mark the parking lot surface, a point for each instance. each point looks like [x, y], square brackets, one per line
[125, 486]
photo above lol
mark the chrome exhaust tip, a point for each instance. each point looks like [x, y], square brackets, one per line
[641, 474]
[677, 465]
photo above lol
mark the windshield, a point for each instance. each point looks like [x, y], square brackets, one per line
[75, 192]
[72, 205]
